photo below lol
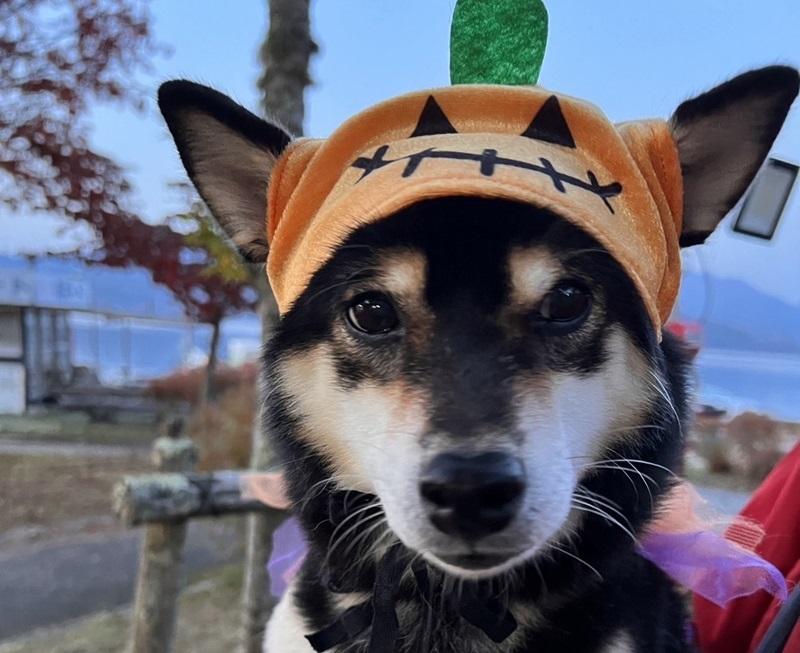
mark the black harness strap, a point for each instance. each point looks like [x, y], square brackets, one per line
[487, 613]
[348, 626]
[475, 605]
[385, 626]
[477, 608]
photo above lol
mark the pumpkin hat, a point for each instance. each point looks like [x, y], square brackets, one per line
[492, 134]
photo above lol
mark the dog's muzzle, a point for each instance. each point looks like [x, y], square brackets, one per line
[471, 497]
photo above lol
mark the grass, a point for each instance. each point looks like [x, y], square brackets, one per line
[44, 496]
[734, 482]
[208, 622]
[58, 426]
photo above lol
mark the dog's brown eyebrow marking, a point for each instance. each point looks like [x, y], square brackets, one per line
[532, 271]
[403, 272]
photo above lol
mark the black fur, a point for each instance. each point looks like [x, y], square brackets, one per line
[465, 369]
[182, 103]
[772, 91]
[779, 82]
[179, 96]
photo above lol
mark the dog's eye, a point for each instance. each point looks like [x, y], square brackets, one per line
[372, 313]
[566, 305]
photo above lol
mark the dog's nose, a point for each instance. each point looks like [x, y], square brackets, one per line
[472, 496]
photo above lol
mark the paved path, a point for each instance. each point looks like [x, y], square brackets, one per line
[69, 449]
[59, 581]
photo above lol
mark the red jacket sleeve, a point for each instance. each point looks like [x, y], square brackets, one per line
[739, 627]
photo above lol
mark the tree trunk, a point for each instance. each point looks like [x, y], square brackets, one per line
[285, 56]
[209, 391]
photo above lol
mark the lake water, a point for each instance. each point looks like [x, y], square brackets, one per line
[739, 380]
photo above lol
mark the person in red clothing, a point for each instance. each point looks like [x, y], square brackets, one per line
[742, 624]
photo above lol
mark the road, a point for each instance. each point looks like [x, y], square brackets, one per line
[20, 447]
[60, 581]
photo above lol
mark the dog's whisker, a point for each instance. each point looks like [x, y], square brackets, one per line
[658, 385]
[593, 466]
[599, 499]
[601, 506]
[632, 462]
[318, 488]
[648, 463]
[364, 536]
[381, 541]
[379, 523]
[578, 559]
[597, 495]
[647, 480]
[640, 427]
[335, 542]
[585, 507]
[622, 429]
[356, 515]
[538, 570]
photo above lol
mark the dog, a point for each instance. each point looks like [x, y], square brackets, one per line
[472, 389]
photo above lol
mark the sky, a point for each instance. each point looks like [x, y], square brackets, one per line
[634, 59]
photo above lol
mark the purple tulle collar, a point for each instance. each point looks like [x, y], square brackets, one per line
[710, 555]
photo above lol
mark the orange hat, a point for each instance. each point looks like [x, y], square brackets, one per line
[619, 183]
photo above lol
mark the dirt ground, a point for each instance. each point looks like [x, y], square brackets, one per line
[44, 497]
[208, 622]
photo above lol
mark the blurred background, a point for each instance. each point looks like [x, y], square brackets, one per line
[122, 308]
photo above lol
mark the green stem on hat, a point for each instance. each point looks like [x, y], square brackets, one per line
[497, 41]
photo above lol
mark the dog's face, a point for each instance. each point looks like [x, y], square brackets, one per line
[481, 367]
[467, 361]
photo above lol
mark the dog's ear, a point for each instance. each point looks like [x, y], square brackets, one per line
[229, 154]
[723, 137]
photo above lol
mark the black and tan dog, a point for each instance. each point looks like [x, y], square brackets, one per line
[476, 414]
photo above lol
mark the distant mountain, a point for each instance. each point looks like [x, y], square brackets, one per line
[734, 315]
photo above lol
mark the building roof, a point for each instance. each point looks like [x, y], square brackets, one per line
[51, 282]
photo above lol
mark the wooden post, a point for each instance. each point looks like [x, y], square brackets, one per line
[158, 584]
[174, 497]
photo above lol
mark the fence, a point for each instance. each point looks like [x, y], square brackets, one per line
[163, 502]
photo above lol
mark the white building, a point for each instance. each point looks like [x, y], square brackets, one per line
[71, 334]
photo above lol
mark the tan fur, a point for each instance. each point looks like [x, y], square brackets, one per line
[629, 386]
[355, 429]
[532, 271]
[403, 274]
[621, 643]
[404, 277]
